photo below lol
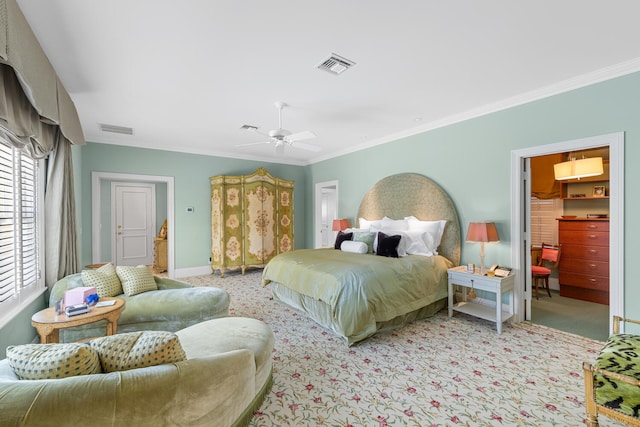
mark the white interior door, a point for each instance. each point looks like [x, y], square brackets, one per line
[526, 238]
[326, 212]
[134, 206]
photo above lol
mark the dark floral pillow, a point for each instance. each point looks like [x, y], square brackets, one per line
[341, 237]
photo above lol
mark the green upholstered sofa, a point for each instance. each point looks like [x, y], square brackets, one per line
[174, 306]
[226, 375]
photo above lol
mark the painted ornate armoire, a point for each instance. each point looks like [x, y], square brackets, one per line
[251, 220]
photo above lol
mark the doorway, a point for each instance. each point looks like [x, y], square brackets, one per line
[133, 218]
[326, 211]
[520, 239]
[100, 200]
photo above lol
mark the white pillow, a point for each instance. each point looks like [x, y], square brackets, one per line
[355, 247]
[393, 224]
[416, 243]
[434, 228]
[365, 225]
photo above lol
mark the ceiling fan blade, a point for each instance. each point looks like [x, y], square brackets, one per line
[304, 146]
[300, 136]
[254, 143]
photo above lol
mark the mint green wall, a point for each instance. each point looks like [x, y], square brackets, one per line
[471, 161]
[191, 174]
[19, 329]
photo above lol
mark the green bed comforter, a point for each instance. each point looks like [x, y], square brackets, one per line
[361, 288]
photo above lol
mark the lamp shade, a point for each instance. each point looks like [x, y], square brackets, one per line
[340, 224]
[485, 232]
[580, 168]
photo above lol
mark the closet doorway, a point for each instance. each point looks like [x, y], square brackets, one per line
[521, 211]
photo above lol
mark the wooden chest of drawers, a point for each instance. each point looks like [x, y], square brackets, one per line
[584, 263]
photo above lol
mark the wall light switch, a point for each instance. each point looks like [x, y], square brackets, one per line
[190, 209]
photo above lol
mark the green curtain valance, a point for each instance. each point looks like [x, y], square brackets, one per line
[42, 97]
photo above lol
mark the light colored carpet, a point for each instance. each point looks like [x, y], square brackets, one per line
[434, 372]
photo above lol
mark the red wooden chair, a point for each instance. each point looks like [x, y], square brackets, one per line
[549, 261]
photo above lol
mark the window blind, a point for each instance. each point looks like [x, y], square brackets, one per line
[544, 227]
[19, 263]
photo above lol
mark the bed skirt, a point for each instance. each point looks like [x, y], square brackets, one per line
[322, 314]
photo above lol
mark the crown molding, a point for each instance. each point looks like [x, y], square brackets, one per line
[588, 79]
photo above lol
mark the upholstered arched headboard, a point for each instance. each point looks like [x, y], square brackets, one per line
[410, 194]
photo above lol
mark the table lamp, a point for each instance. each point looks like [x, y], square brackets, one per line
[482, 232]
[340, 224]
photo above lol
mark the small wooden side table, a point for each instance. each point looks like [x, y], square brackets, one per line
[48, 323]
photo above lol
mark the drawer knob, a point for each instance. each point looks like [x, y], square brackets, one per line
[592, 227]
[593, 280]
[593, 266]
[593, 251]
[593, 237]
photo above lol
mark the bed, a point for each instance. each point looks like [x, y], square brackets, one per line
[356, 295]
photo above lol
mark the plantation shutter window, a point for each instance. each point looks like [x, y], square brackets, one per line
[544, 226]
[19, 231]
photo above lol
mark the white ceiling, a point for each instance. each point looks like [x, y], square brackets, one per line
[186, 75]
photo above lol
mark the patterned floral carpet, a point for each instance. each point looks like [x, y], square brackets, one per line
[434, 372]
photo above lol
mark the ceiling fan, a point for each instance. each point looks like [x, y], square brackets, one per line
[281, 137]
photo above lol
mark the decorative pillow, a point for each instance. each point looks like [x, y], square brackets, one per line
[341, 237]
[136, 280]
[388, 245]
[52, 361]
[366, 237]
[355, 247]
[104, 279]
[132, 350]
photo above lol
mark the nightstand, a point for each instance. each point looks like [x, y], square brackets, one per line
[495, 285]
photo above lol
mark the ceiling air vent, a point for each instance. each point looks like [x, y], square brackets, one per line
[116, 129]
[335, 64]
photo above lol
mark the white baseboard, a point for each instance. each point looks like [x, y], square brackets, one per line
[193, 271]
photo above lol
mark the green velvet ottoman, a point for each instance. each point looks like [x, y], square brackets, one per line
[612, 383]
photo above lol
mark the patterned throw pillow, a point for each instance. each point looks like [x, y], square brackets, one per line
[133, 350]
[52, 361]
[104, 279]
[136, 280]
